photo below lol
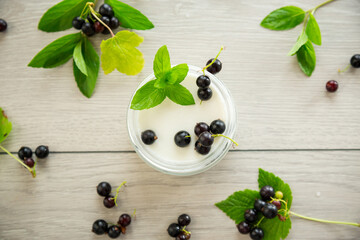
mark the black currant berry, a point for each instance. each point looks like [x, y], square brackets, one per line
[174, 230]
[42, 151]
[204, 94]
[124, 220]
[332, 86]
[355, 61]
[114, 231]
[114, 23]
[3, 25]
[203, 81]
[187, 235]
[277, 204]
[29, 162]
[25, 152]
[257, 234]
[109, 201]
[77, 22]
[200, 128]
[243, 227]
[201, 149]
[103, 189]
[106, 10]
[106, 31]
[217, 127]
[250, 215]
[88, 29]
[206, 139]
[259, 204]
[181, 236]
[267, 192]
[105, 20]
[100, 227]
[148, 137]
[215, 67]
[182, 139]
[184, 220]
[269, 210]
[98, 27]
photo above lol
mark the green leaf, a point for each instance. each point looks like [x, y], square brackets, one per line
[306, 58]
[313, 30]
[161, 62]
[120, 52]
[162, 82]
[60, 16]
[129, 17]
[148, 96]
[57, 52]
[87, 83]
[179, 94]
[236, 204]
[284, 18]
[79, 59]
[268, 178]
[5, 126]
[178, 73]
[302, 39]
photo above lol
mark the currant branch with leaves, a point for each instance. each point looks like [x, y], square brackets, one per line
[118, 52]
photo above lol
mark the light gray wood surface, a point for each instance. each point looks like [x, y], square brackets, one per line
[279, 109]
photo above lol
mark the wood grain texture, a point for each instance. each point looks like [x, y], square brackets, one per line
[278, 107]
[62, 203]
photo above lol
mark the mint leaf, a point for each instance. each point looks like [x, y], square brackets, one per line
[299, 43]
[148, 96]
[120, 52]
[306, 58]
[79, 59]
[179, 94]
[274, 229]
[60, 16]
[236, 204]
[178, 73]
[268, 178]
[57, 52]
[313, 30]
[87, 83]
[161, 62]
[5, 126]
[284, 18]
[129, 17]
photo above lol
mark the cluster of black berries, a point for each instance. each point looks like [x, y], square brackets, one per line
[203, 82]
[100, 226]
[90, 25]
[3, 25]
[206, 135]
[104, 190]
[265, 206]
[25, 154]
[178, 230]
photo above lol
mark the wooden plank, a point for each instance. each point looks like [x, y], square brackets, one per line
[62, 203]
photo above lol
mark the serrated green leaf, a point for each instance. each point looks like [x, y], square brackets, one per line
[284, 18]
[5, 126]
[87, 83]
[161, 63]
[313, 30]
[57, 52]
[236, 204]
[302, 39]
[179, 94]
[129, 17]
[148, 96]
[120, 52]
[178, 73]
[274, 229]
[306, 58]
[79, 59]
[60, 16]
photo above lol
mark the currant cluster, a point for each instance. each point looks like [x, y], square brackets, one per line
[178, 230]
[104, 190]
[206, 135]
[265, 206]
[203, 82]
[3, 25]
[25, 154]
[91, 25]
[100, 226]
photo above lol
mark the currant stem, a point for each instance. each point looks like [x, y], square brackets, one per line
[345, 69]
[256, 225]
[32, 171]
[94, 15]
[320, 5]
[117, 191]
[324, 221]
[221, 135]
[185, 231]
[203, 70]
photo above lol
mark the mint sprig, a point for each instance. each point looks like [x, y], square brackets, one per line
[166, 84]
[288, 17]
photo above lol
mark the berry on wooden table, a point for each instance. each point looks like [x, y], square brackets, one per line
[109, 201]
[243, 227]
[100, 227]
[29, 162]
[114, 231]
[42, 151]
[184, 220]
[355, 61]
[174, 230]
[181, 236]
[124, 220]
[332, 86]
[25, 152]
[3, 25]
[103, 189]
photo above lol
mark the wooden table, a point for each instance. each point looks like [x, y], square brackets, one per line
[287, 123]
